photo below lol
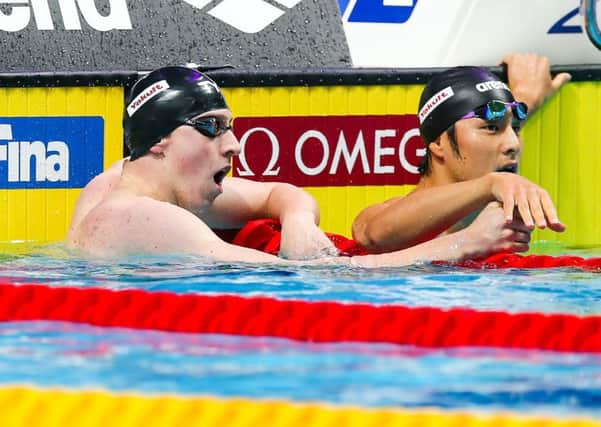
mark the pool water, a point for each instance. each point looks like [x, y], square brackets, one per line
[50, 354]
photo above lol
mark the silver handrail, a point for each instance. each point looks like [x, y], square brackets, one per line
[589, 9]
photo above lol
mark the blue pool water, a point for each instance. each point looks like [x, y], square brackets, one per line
[373, 375]
[80, 356]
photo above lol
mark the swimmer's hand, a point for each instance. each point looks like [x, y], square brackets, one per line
[530, 80]
[532, 202]
[302, 239]
[490, 233]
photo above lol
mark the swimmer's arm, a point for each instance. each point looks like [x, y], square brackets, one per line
[244, 200]
[299, 215]
[489, 233]
[420, 216]
[425, 213]
[293, 207]
[160, 227]
[157, 227]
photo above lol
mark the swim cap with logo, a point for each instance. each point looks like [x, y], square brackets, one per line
[450, 95]
[162, 101]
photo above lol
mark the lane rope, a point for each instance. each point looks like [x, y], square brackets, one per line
[300, 320]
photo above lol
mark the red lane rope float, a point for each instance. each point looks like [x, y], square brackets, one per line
[265, 235]
[504, 260]
[300, 320]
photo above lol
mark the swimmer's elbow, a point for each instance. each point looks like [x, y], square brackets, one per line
[367, 236]
[357, 231]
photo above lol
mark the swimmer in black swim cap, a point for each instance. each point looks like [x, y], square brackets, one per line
[456, 93]
[470, 124]
[165, 99]
[174, 193]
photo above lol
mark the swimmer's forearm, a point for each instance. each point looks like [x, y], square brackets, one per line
[289, 203]
[421, 215]
[452, 247]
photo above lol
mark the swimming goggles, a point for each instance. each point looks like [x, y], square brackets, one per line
[495, 110]
[210, 126]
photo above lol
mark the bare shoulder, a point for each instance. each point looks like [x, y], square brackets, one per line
[105, 181]
[94, 192]
[124, 224]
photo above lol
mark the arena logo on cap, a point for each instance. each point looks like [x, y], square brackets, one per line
[491, 85]
[150, 92]
[434, 102]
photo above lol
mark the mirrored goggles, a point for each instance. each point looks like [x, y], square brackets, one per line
[496, 110]
[210, 126]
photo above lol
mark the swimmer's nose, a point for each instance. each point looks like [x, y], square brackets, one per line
[512, 144]
[229, 144]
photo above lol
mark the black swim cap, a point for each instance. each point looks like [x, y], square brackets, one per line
[450, 95]
[163, 100]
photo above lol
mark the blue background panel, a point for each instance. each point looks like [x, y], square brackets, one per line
[82, 136]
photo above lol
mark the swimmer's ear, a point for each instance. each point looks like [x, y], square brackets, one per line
[159, 147]
[436, 149]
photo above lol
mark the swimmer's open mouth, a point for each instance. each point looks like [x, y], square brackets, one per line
[511, 168]
[219, 176]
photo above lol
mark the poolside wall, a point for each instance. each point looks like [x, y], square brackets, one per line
[348, 136]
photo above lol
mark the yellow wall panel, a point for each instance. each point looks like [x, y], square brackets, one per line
[43, 214]
[562, 154]
[15, 228]
[561, 150]
[323, 100]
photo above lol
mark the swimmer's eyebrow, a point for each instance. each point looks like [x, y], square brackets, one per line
[221, 115]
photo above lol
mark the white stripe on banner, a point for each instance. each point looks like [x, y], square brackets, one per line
[398, 3]
[6, 132]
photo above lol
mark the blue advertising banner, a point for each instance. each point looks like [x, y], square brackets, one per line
[50, 152]
[391, 12]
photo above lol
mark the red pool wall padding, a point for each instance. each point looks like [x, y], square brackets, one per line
[300, 320]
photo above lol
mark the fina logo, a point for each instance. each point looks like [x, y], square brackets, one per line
[50, 152]
[18, 156]
[244, 15]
